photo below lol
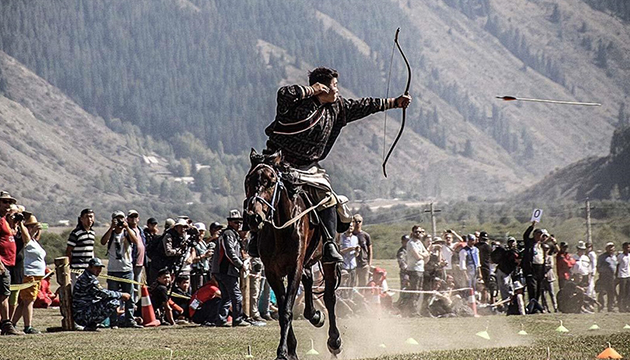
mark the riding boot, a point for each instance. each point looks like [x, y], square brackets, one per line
[330, 254]
[252, 246]
[328, 219]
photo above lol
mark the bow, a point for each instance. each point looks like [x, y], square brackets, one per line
[404, 110]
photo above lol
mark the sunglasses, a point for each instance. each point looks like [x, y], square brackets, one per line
[7, 201]
[357, 221]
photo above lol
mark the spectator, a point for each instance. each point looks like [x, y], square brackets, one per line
[564, 263]
[364, 255]
[606, 268]
[623, 277]
[159, 291]
[547, 284]
[213, 241]
[200, 269]
[181, 287]
[8, 230]
[348, 248]
[204, 304]
[91, 304]
[484, 261]
[34, 271]
[506, 266]
[226, 268]
[533, 263]
[138, 253]
[168, 250]
[401, 257]
[119, 239]
[175, 244]
[447, 250]
[417, 254]
[469, 262]
[593, 266]
[582, 268]
[80, 248]
[152, 238]
[255, 282]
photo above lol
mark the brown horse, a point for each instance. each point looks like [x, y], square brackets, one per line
[289, 245]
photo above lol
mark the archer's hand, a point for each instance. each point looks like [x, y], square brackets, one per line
[402, 101]
[320, 88]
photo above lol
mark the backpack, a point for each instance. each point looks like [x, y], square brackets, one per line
[497, 255]
[155, 247]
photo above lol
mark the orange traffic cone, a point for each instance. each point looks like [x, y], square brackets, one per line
[609, 353]
[148, 315]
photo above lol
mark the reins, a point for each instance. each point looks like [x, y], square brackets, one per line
[275, 197]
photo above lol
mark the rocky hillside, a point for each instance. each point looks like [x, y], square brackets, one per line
[596, 178]
[207, 72]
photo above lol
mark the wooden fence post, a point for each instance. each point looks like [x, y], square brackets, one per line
[62, 270]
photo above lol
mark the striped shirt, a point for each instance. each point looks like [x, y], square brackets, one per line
[82, 243]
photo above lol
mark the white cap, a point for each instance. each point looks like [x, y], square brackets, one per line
[200, 226]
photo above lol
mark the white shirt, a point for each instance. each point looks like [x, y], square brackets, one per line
[623, 271]
[582, 265]
[349, 258]
[413, 264]
[447, 255]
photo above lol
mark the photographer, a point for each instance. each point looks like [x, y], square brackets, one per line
[119, 239]
[9, 223]
[204, 248]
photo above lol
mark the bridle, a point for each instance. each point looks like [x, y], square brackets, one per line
[271, 205]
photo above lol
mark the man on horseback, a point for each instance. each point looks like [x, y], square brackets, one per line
[308, 121]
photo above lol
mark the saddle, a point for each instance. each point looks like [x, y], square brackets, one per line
[314, 185]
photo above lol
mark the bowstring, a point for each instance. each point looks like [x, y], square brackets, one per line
[389, 77]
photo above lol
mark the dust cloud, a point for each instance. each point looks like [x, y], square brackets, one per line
[374, 335]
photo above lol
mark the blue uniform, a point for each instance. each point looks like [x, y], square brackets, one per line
[91, 304]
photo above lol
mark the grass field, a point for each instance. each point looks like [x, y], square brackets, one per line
[377, 336]
[363, 338]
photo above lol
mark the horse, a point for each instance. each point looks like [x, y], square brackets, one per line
[289, 245]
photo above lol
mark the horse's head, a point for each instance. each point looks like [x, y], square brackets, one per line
[261, 188]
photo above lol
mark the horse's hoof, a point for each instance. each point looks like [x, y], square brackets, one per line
[334, 346]
[318, 319]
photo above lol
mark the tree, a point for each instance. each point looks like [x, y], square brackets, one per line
[555, 15]
[468, 149]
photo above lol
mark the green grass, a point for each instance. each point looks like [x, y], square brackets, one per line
[437, 338]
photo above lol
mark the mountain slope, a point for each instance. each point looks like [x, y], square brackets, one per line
[211, 69]
[597, 178]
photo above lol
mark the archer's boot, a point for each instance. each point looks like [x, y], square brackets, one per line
[252, 247]
[331, 255]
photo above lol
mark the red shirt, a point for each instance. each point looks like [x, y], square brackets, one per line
[564, 263]
[205, 293]
[7, 243]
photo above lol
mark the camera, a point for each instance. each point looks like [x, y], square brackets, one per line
[17, 217]
[120, 223]
[192, 231]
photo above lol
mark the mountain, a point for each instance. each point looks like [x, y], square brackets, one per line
[596, 178]
[57, 159]
[206, 72]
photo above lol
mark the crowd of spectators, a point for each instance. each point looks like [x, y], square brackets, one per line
[517, 277]
[195, 273]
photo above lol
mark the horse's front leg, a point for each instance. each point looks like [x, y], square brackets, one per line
[278, 288]
[334, 339]
[293, 283]
[316, 317]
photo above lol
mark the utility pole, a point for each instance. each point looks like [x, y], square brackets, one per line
[588, 222]
[432, 211]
